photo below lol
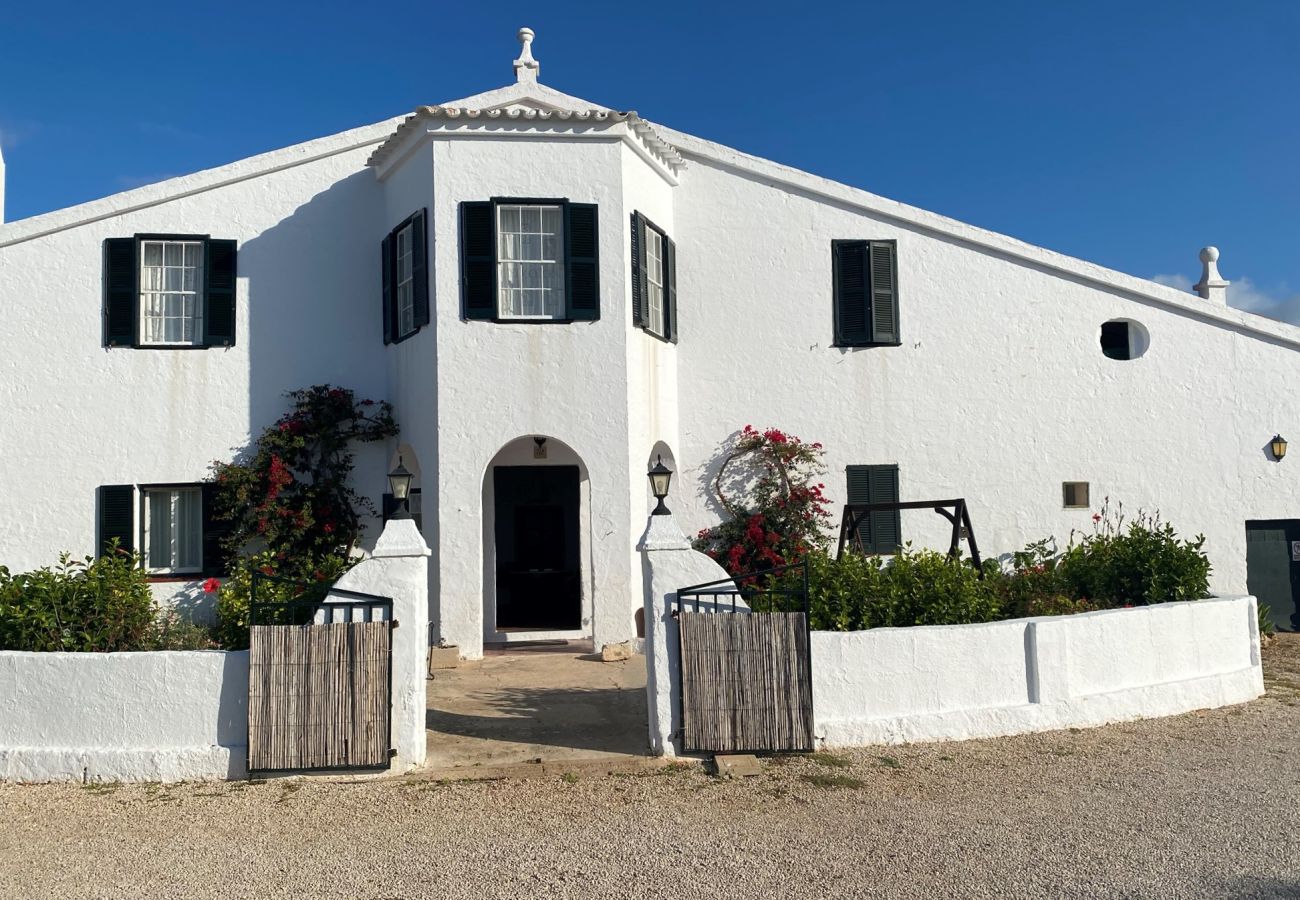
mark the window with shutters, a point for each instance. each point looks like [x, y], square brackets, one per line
[880, 531]
[405, 284]
[173, 530]
[403, 258]
[169, 291]
[529, 260]
[865, 292]
[654, 287]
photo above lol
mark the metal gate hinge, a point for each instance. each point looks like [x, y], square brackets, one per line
[394, 625]
[392, 752]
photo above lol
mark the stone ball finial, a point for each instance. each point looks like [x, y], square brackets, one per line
[526, 68]
[1209, 254]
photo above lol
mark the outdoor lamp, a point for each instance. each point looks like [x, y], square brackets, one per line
[399, 482]
[1278, 446]
[659, 476]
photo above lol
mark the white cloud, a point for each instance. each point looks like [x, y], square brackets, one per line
[1244, 294]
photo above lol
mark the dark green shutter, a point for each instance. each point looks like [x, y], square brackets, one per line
[849, 279]
[884, 292]
[670, 290]
[215, 529]
[420, 268]
[121, 292]
[639, 316]
[219, 280]
[386, 277]
[478, 260]
[116, 517]
[881, 532]
[582, 266]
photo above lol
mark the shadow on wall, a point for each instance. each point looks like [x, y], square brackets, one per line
[313, 299]
[232, 712]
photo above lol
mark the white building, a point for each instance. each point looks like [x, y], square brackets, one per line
[565, 291]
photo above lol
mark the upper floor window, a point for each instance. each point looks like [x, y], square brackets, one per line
[864, 282]
[529, 260]
[171, 292]
[654, 279]
[405, 283]
[165, 291]
[405, 278]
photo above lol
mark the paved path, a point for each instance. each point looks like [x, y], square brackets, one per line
[518, 708]
[1201, 805]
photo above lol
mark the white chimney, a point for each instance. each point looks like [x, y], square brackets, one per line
[1212, 287]
[526, 68]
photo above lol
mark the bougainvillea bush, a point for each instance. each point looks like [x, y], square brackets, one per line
[290, 506]
[777, 511]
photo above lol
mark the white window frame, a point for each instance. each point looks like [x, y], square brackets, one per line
[654, 279]
[551, 270]
[157, 298]
[404, 276]
[173, 568]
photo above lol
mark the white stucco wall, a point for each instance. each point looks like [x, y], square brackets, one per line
[954, 682]
[161, 716]
[999, 391]
[307, 313]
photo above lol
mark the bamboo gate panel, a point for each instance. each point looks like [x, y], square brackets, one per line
[319, 696]
[746, 682]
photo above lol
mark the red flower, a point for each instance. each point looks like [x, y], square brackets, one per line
[328, 528]
[1096, 517]
[211, 586]
[267, 570]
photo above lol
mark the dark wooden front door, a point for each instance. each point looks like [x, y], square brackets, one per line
[539, 585]
[1272, 571]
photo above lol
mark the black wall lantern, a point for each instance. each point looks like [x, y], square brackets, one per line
[659, 477]
[1278, 446]
[399, 482]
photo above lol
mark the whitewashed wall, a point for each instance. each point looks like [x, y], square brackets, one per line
[954, 682]
[498, 382]
[161, 716]
[999, 392]
[308, 221]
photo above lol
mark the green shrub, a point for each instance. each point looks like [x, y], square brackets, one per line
[94, 605]
[173, 631]
[918, 587]
[1144, 563]
[310, 580]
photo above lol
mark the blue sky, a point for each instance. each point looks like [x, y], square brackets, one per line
[1129, 134]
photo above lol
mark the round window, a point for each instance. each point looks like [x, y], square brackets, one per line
[1124, 339]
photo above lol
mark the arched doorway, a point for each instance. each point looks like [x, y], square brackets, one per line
[537, 551]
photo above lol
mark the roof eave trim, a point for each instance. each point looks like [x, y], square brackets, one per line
[981, 238]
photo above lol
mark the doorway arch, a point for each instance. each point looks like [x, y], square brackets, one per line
[537, 581]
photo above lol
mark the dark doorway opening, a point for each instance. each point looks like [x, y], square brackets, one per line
[1273, 569]
[539, 583]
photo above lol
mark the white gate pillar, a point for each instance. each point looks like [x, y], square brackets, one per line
[668, 565]
[399, 568]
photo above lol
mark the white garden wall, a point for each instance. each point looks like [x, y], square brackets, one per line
[160, 716]
[953, 682]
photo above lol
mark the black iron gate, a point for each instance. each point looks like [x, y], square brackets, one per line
[319, 680]
[746, 663]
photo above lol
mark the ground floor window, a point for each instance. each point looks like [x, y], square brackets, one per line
[173, 529]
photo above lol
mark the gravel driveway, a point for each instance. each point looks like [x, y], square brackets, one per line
[1201, 805]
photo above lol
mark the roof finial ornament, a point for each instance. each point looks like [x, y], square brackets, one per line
[1212, 285]
[526, 68]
